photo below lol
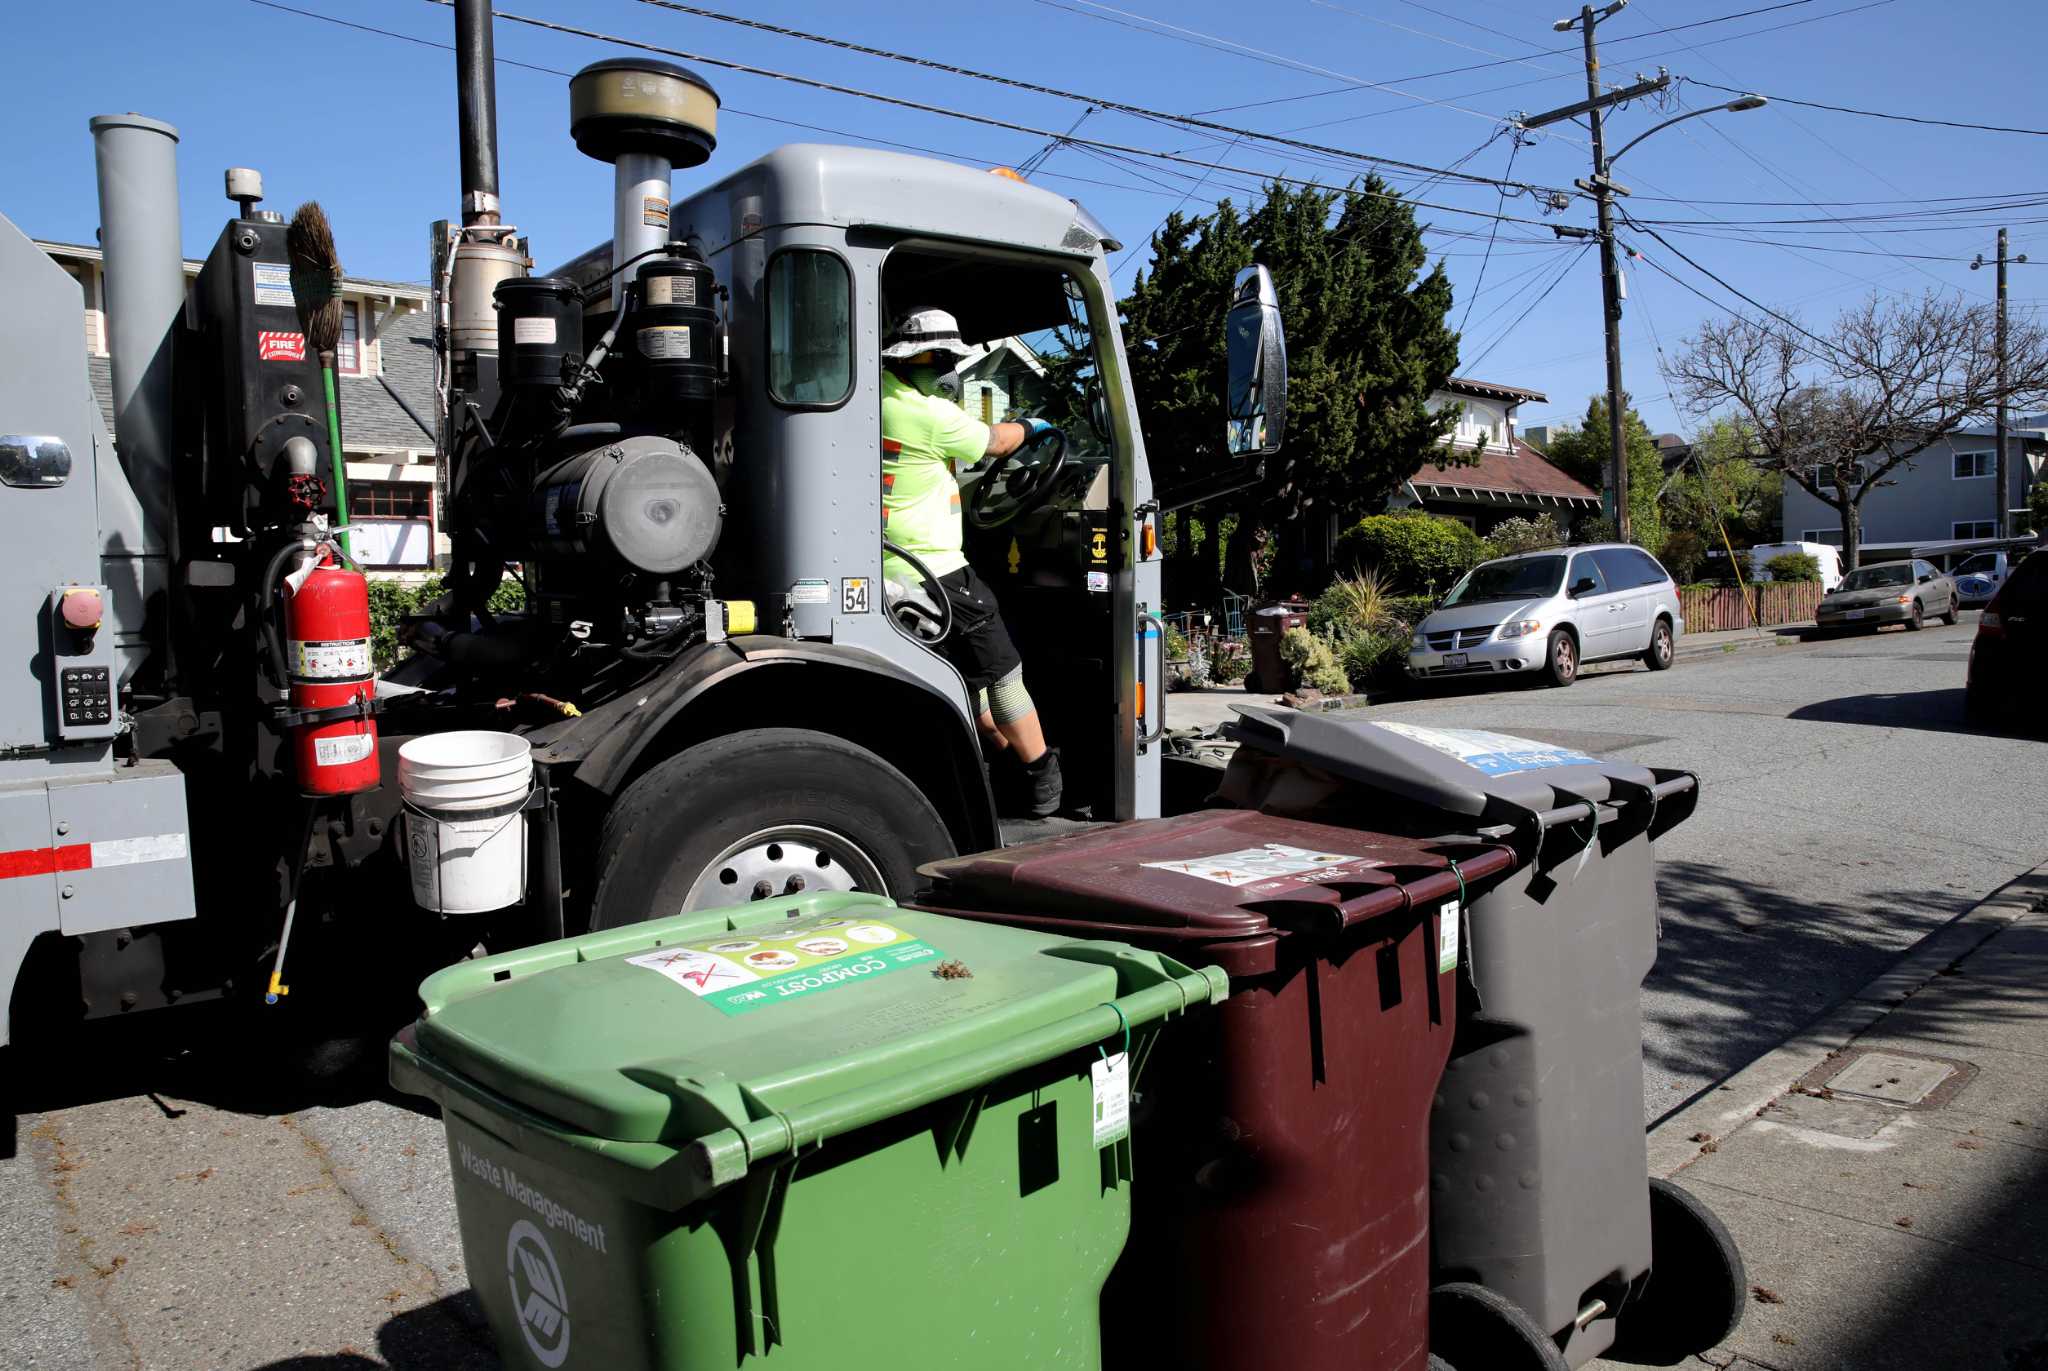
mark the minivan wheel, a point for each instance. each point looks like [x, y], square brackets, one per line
[1658, 658]
[1561, 667]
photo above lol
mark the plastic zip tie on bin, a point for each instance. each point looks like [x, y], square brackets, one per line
[1465, 933]
[1124, 1022]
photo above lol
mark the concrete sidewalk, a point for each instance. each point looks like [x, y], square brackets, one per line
[1885, 1172]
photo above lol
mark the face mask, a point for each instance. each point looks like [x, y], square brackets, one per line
[931, 381]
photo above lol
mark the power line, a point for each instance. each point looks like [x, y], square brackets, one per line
[985, 120]
[1556, 281]
[1514, 147]
[1747, 299]
[1877, 114]
[1183, 120]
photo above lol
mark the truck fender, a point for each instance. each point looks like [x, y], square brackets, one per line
[758, 681]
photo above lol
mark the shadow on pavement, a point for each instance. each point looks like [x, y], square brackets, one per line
[1749, 966]
[449, 1333]
[1939, 711]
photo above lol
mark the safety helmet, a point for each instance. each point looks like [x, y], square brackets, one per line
[924, 330]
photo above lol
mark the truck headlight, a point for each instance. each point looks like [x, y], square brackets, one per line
[1519, 628]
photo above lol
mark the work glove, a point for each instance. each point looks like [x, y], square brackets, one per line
[1034, 430]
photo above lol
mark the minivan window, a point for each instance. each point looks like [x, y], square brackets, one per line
[1627, 568]
[1525, 578]
[1586, 568]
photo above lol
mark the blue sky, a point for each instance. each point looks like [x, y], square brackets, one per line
[366, 124]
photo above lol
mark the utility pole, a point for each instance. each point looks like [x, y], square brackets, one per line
[2002, 517]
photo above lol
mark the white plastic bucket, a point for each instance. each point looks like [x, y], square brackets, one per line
[465, 823]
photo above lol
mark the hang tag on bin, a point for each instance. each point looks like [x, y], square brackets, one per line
[1112, 1077]
[1447, 937]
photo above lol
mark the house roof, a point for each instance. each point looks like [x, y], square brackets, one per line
[370, 418]
[1524, 474]
[367, 285]
[1489, 390]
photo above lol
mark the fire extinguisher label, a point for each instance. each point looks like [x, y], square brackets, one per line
[343, 659]
[351, 747]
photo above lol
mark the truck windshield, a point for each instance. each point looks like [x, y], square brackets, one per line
[1526, 578]
[1984, 563]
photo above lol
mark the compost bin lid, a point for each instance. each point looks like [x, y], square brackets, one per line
[1459, 771]
[670, 1030]
[1212, 875]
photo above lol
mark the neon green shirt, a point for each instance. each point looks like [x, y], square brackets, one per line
[924, 439]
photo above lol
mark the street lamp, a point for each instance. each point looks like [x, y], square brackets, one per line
[1604, 190]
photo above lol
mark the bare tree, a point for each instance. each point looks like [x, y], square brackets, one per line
[1837, 414]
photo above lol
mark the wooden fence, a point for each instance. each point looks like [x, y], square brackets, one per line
[1712, 609]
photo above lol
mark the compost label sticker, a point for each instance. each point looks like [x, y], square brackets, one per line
[737, 975]
[1251, 864]
[538, 1297]
[273, 282]
[1494, 754]
[1112, 1077]
[1447, 937]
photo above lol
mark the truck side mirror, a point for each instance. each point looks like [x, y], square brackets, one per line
[1257, 344]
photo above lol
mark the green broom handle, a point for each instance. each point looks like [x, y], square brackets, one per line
[334, 447]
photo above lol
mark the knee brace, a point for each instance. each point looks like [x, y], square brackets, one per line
[1008, 700]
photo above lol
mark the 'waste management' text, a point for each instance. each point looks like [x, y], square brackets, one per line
[551, 1214]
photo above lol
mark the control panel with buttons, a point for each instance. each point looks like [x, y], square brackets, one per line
[84, 679]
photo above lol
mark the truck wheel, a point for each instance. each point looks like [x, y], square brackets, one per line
[1561, 664]
[1473, 1328]
[1697, 1289]
[766, 812]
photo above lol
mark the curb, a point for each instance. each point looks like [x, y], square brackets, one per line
[1750, 644]
[1681, 1138]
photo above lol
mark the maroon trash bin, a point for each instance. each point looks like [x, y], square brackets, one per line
[1264, 627]
[1282, 1218]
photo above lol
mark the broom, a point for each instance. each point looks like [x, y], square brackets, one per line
[316, 292]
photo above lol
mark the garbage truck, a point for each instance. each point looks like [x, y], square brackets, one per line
[673, 442]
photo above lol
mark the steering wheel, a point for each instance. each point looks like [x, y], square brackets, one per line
[915, 612]
[1026, 476]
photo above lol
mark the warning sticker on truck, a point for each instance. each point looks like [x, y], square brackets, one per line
[738, 975]
[1252, 864]
[1494, 754]
[272, 282]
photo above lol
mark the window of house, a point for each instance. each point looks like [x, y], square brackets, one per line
[1831, 536]
[810, 329]
[1970, 465]
[348, 353]
[390, 500]
[1973, 528]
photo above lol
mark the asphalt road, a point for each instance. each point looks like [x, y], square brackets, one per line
[203, 1195]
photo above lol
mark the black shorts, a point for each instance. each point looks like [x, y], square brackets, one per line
[979, 645]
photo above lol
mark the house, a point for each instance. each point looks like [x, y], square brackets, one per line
[1944, 498]
[1509, 480]
[1001, 379]
[384, 377]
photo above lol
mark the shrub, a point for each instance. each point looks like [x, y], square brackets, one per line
[1229, 663]
[1511, 536]
[1683, 554]
[1351, 605]
[1412, 552]
[1374, 658]
[1330, 680]
[391, 601]
[1410, 610]
[1310, 661]
[1793, 566]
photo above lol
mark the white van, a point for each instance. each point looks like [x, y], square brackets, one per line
[1829, 557]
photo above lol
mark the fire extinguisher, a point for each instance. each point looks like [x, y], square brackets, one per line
[327, 651]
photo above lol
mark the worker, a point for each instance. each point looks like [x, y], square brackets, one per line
[928, 444]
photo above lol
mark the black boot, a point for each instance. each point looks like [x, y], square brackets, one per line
[1043, 776]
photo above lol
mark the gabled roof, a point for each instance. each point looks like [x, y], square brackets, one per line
[1488, 390]
[365, 285]
[1523, 474]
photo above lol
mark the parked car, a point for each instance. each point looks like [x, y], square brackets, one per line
[1552, 612]
[2009, 657]
[1979, 577]
[1889, 593]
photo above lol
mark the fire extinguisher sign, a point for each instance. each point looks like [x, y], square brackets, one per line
[341, 660]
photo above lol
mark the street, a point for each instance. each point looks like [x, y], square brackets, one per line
[225, 1200]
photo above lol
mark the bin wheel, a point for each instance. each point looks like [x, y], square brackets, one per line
[1561, 664]
[1251, 684]
[1697, 1288]
[1472, 1328]
[762, 813]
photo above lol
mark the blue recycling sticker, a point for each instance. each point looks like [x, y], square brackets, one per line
[1491, 754]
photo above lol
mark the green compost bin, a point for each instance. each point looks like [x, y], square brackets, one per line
[823, 1130]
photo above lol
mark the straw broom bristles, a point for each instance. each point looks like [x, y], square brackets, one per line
[316, 276]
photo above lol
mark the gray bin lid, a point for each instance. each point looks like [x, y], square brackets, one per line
[1468, 772]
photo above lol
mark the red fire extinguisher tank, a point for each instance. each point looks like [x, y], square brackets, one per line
[327, 647]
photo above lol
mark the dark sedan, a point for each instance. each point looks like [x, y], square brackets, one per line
[2009, 658]
[1908, 593]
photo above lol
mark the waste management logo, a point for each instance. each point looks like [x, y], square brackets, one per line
[538, 1299]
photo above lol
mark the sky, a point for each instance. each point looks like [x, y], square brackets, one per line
[365, 123]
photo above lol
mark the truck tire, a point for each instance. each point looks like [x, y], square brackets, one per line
[757, 814]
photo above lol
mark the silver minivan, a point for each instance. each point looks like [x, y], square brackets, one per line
[1552, 612]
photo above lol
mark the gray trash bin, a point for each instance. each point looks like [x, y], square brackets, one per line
[1540, 1113]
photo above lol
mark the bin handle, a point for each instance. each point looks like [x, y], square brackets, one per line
[1415, 894]
[728, 1154]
